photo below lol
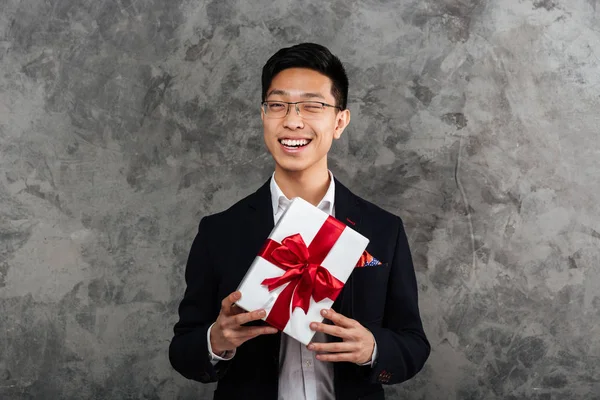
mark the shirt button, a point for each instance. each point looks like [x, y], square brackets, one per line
[308, 363]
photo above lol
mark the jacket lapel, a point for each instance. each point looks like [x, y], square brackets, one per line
[262, 223]
[261, 215]
[347, 207]
[250, 230]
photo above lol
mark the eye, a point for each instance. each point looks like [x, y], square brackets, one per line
[276, 106]
[313, 107]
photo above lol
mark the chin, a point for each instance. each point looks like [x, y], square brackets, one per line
[292, 166]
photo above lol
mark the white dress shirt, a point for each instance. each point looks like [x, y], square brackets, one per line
[301, 375]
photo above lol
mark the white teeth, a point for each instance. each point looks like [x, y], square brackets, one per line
[295, 143]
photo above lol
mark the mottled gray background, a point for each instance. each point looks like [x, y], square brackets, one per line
[123, 122]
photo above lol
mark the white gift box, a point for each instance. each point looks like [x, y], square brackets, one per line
[306, 220]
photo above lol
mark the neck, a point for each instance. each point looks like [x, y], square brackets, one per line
[308, 185]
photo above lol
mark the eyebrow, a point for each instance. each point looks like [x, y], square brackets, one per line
[308, 95]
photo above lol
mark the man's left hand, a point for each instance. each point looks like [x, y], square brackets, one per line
[357, 345]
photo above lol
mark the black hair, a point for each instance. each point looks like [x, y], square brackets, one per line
[312, 56]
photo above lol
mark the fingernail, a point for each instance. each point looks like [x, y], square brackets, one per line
[262, 313]
[237, 295]
[324, 312]
[311, 347]
[313, 326]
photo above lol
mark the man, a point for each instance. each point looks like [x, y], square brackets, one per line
[373, 334]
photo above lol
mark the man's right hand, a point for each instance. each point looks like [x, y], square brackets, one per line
[227, 334]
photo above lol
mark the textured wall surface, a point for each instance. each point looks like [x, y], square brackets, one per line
[123, 122]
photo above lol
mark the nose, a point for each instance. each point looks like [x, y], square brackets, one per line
[292, 120]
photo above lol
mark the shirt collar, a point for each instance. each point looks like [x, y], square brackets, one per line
[278, 199]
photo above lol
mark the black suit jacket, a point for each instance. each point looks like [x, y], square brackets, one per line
[381, 298]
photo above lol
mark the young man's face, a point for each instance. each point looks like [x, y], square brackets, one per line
[300, 142]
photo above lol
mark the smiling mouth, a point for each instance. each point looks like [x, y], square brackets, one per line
[294, 144]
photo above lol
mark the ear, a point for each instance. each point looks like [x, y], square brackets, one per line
[341, 122]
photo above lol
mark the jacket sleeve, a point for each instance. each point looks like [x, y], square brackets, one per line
[188, 351]
[402, 345]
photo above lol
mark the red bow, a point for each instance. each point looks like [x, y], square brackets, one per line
[303, 270]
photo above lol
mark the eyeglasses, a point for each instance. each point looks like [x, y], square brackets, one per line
[305, 109]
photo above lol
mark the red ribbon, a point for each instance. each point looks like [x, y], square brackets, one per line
[303, 270]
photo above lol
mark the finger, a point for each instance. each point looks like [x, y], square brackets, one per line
[242, 334]
[332, 330]
[338, 318]
[247, 333]
[338, 347]
[244, 318]
[235, 310]
[228, 302]
[337, 357]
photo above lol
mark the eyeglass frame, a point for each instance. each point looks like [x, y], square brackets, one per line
[266, 102]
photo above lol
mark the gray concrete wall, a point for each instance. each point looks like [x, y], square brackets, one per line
[123, 122]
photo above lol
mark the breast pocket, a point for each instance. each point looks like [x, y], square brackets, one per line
[369, 290]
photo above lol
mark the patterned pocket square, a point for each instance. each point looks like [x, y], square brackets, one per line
[367, 260]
